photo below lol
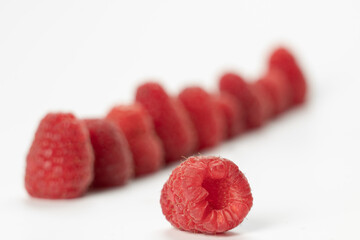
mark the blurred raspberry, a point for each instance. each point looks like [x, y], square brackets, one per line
[138, 128]
[205, 115]
[274, 82]
[206, 194]
[232, 112]
[267, 108]
[283, 59]
[171, 121]
[60, 161]
[241, 90]
[113, 161]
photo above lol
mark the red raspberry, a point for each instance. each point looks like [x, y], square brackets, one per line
[263, 97]
[171, 121]
[113, 161]
[236, 86]
[232, 112]
[274, 82]
[60, 161]
[282, 59]
[145, 145]
[149, 154]
[205, 115]
[206, 194]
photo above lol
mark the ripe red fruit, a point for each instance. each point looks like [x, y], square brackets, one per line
[206, 194]
[236, 86]
[233, 115]
[282, 59]
[148, 153]
[264, 98]
[113, 161]
[205, 115]
[274, 82]
[171, 121]
[138, 128]
[60, 161]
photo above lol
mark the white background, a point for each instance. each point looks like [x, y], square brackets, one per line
[86, 56]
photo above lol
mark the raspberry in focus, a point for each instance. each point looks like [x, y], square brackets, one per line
[113, 160]
[206, 194]
[59, 164]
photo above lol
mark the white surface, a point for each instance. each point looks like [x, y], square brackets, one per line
[83, 57]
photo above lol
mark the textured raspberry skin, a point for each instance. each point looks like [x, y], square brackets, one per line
[239, 88]
[113, 160]
[206, 194]
[232, 112]
[171, 121]
[145, 145]
[283, 59]
[205, 115]
[59, 164]
[274, 82]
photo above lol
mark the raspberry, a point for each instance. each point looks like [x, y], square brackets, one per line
[206, 194]
[149, 154]
[233, 115]
[205, 115]
[60, 161]
[113, 161]
[265, 103]
[282, 59]
[144, 144]
[274, 82]
[171, 121]
[236, 86]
